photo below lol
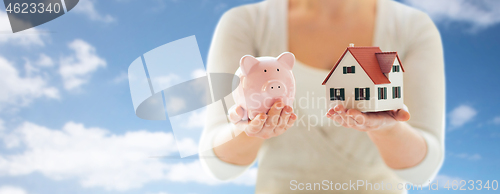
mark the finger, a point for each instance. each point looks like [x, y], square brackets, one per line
[352, 123]
[236, 113]
[340, 110]
[357, 116]
[333, 115]
[338, 119]
[354, 113]
[402, 115]
[283, 121]
[349, 121]
[240, 127]
[255, 126]
[273, 115]
[291, 120]
[330, 113]
[374, 120]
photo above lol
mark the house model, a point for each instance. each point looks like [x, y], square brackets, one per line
[367, 79]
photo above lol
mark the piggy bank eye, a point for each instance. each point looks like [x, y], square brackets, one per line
[278, 69]
[265, 70]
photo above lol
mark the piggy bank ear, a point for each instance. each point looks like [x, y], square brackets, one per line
[247, 62]
[287, 58]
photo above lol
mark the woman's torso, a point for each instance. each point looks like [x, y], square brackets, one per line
[318, 36]
[315, 149]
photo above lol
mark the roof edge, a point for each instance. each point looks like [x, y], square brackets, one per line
[335, 66]
[400, 64]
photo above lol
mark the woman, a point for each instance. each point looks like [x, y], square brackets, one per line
[387, 149]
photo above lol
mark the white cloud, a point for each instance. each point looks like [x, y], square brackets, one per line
[220, 7]
[496, 120]
[472, 157]
[462, 115]
[87, 8]
[197, 119]
[164, 81]
[6, 189]
[175, 104]
[20, 91]
[120, 78]
[191, 173]
[44, 61]
[97, 158]
[198, 73]
[479, 14]
[28, 37]
[442, 179]
[93, 155]
[187, 145]
[30, 69]
[76, 69]
[248, 178]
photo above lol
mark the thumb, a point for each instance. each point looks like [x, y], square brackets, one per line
[236, 114]
[402, 115]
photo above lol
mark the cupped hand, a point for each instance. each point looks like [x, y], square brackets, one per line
[277, 120]
[370, 121]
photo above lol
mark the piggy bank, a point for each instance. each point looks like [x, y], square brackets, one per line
[263, 81]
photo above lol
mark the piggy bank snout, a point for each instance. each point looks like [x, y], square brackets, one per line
[274, 88]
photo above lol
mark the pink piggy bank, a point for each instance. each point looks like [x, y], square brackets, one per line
[263, 81]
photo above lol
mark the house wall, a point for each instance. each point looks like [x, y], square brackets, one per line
[361, 80]
[350, 81]
[396, 79]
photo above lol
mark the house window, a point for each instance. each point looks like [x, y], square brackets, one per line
[349, 70]
[382, 93]
[337, 94]
[395, 68]
[396, 92]
[362, 93]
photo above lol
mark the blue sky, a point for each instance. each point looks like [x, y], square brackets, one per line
[53, 118]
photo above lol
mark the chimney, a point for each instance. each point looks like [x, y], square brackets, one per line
[351, 45]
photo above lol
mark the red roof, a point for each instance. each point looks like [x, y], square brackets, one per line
[385, 61]
[373, 61]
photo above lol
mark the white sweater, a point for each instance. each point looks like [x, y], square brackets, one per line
[316, 150]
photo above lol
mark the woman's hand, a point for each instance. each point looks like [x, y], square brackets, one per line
[400, 145]
[277, 120]
[371, 121]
